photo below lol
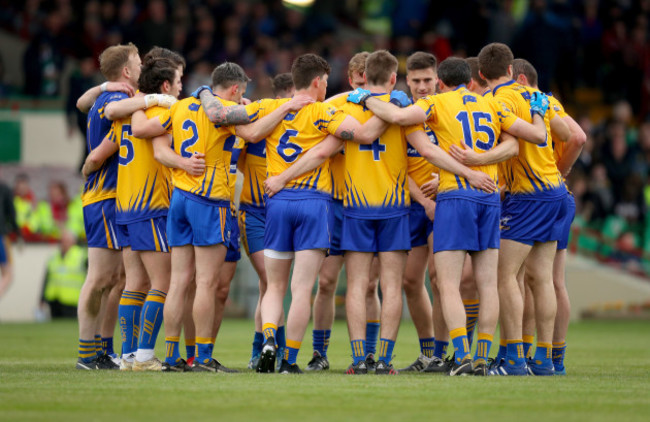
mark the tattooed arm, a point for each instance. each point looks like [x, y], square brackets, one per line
[220, 114]
[351, 130]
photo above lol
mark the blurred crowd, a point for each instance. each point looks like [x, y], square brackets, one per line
[575, 45]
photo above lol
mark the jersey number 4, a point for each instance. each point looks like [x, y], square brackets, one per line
[463, 118]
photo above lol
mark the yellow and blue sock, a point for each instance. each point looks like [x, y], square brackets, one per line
[204, 349]
[212, 341]
[87, 351]
[269, 330]
[358, 351]
[190, 347]
[151, 319]
[172, 354]
[321, 340]
[483, 346]
[543, 354]
[427, 346]
[280, 337]
[515, 352]
[459, 340]
[128, 313]
[372, 332]
[440, 348]
[559, 349]
[471, 311]
[258, 340]
[385, 350]
[503, 350]
[528, 344]
[291, 351]
[98, 345]
[107, 345]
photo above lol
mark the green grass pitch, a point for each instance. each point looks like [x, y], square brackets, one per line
[608, 365]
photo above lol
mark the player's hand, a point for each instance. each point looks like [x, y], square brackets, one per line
[465, 155]
[430, 209]
[299, 101]
[195, 165]
[244, 101]
[196, 94]
[273, 185]
[161, 100]
[430, 188]
[539, 103]
[399, 98]
[151, 100]
[482, 181]
[358, 96]
[120, 87]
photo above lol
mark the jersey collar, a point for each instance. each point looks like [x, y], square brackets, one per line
[510, 82]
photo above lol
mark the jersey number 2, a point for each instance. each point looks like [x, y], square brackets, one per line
[191, 126]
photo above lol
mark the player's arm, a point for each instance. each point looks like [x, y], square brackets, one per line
[309, 161]
[391, 113]
[126, 107]
[418, 196]
[144, 128]
[86, 101]
[436, 156]
[259, 129]
[507, 148]
[560, 129]
[165, 155]
[573, 147]
[534, 133]
[218, 113]
[351, 130]
[97, 156]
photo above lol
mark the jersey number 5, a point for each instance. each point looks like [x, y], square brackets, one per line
[125, 142]
[288, 150]
[463, 118]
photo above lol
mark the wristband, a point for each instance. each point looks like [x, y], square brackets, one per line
[104, 86]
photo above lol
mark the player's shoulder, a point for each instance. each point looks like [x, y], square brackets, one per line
[338, 100]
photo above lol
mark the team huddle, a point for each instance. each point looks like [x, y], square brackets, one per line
[465, 180]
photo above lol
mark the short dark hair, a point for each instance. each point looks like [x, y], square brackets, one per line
[163, 53]
[454, 71]
[379, 66]
[281, 83]
[307, 67]
[228, 74]
[421, 60]
[473, 66]
[522, 66]
[154, 73]
[494, 59]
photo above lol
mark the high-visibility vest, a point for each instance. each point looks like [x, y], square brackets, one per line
[24, 211]
[65, 276]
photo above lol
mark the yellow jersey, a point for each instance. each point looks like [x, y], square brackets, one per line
[376, 174]
[558, 146]
[293, 137]
[419, 169]
[235, 152]
[143, 184]
[337, 162]
[192, 132]
[533, 173]
[102, 183]
[463, 117]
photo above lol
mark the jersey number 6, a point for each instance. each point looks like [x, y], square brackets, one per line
[288, 150]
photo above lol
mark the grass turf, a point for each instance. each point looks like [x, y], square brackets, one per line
[608, 365]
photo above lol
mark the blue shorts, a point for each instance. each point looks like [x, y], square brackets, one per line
[145, 235]
[194, 222]
[465, 225]
[99, 221]
[376, 235]
[251, 223]
[570, 204]
[4, 251]
[420, 225]
[336, 226]
[527, 221]
[234, 253]
[296, 225]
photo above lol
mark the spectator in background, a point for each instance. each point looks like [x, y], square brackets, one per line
[24, 204]
[619, 159]
[81, 79]
[599, 200]
[156, 29]
[64, 276]
[7, 226]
